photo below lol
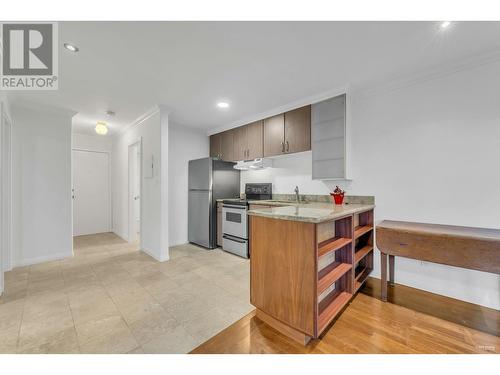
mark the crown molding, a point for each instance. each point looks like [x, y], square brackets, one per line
[433, 73]
[139, 120]
[284, 108]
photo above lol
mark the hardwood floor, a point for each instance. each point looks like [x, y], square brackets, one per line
[452, 310]
[369, 325]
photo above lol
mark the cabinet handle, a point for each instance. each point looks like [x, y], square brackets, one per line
[282, 146]
[287, 146]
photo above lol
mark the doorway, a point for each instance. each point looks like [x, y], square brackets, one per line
[91, 192]
[134, 192]
[5, 194]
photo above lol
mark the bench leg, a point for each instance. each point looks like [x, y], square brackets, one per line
[383, 271]
[391, 269]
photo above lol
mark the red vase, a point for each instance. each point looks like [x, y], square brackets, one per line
[337, 198]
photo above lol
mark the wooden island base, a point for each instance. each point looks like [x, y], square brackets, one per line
[303, 274]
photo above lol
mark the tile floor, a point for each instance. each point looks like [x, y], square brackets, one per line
[112, 298]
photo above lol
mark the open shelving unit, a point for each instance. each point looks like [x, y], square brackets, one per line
[335, 260]
[312, 272]
[363, 247]
[345, 259]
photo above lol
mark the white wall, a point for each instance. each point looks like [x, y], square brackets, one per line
[41, 144]
[428, 152]
[184, 145]
[288, 171]
[4, 110]
[103, 143]
[153, 227]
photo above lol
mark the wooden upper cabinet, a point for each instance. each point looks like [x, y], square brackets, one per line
[284, 133]
[274, 135]
[255, 140]
[215, 145]
[298, 130]
[240, 143]
[227, 145]
[248, 141]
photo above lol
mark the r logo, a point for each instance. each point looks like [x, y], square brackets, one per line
[29, 59]
[28, 49]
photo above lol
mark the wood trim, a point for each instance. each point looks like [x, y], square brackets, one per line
[282, 328]
[332, 244]
[328, 314]
[331, 274]
[361, 253]
[362, 229]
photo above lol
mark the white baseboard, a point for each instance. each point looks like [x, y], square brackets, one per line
[120, 235]
[151, 254]
[42, 259]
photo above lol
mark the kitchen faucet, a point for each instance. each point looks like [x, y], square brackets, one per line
[297, 193]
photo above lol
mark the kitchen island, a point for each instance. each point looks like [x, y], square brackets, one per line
[306, 263]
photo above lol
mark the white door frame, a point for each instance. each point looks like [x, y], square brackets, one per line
[137, 143]
[110, 207]
[5, 195]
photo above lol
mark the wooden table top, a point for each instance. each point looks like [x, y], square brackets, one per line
[442, 230]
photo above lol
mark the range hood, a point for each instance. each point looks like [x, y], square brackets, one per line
[249, 165]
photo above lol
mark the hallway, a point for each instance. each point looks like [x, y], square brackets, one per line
[112, 298]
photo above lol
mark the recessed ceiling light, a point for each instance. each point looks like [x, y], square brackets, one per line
[101, 128]
[223, 105]
[445, 24]
[71, 47]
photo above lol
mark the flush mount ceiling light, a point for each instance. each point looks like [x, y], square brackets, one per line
[445, 24]
[223, 105]
[71, 47]
[101, 128]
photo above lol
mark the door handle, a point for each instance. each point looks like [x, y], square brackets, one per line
[231, 238]
[287, 146]
[282, 146]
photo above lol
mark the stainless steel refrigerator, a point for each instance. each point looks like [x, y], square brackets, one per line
[209, 179]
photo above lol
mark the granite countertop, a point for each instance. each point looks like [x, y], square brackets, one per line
[313, 212]
[270, 202]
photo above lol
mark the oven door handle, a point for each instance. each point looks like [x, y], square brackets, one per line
[232, 238]
[231, 206]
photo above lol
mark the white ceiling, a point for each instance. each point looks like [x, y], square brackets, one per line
[129, 67]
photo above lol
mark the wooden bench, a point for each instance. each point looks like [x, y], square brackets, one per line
[465, 247]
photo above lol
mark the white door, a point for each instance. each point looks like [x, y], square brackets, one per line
[91, 193]
[134, 184]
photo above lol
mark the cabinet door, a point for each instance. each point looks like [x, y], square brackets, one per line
[328, 138]
[274, 135]
[298, 130]
[240, 143]
[255, 141]
[215, 145]
[227, 144]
